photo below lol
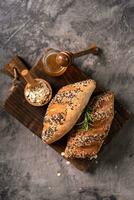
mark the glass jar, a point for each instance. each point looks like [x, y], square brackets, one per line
[50, 65]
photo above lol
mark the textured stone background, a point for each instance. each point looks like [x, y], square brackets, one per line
[28, 168]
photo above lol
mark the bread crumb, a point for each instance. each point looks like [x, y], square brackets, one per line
[68, 162]
[49, 188]
[58, 173]
[62, 153]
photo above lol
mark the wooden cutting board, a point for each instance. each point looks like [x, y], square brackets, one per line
[32, 117]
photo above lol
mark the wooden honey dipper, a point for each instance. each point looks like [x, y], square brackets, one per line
[56, 62]
[65, 58]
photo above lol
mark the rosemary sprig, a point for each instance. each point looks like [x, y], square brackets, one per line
[87, 121]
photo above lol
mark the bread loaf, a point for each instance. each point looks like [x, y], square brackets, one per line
[65, 109]
[87, 143]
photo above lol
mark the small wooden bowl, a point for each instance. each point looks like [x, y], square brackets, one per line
[37, 103]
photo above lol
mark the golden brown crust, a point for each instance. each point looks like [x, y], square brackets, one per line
[82, 144]
[65, 109]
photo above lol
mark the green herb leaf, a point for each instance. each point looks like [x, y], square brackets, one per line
[84, 125]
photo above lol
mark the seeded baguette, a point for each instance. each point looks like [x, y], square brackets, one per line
[87, 143]
[65, 109]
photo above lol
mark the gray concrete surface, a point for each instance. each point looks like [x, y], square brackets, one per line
[28, 168]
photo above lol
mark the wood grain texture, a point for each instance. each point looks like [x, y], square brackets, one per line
[32, 117]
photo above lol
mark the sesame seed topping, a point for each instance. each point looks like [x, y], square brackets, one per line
[102, 110]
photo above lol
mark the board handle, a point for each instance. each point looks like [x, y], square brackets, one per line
[15, 63]
[17, 66]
